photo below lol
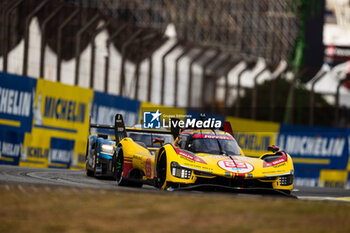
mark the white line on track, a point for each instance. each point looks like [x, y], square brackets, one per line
[313, 198]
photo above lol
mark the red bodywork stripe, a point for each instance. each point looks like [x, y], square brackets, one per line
[127, 167]
[189, 156]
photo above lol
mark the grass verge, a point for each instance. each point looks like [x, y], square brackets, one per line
[36, 209]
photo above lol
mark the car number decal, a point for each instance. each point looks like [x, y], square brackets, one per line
[235, 166]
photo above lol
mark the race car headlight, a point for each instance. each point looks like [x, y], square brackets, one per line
[180, 172]
[286, 180]
[107, 149]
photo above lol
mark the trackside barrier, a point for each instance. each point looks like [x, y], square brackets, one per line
[105, 107]
[59, 128]
[17, 95]
[46, 124]
[320, 154]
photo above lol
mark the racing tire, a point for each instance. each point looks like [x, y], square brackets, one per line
[87, 171]
[114, 165]
[119, 172]
[95, 162]
[161, 172]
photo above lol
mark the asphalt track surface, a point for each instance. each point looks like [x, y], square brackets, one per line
[78, 179]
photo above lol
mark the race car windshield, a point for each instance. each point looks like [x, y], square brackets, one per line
[147, 138]
[215, 146]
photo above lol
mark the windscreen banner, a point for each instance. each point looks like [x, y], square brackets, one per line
[17, 94]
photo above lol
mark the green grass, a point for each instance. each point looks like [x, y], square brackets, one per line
[86, 210]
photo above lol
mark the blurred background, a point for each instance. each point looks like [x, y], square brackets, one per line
[275, 60]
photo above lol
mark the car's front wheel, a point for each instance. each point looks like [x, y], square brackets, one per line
[114, 165]
[87, 171]
[161, 171]
[95, 165]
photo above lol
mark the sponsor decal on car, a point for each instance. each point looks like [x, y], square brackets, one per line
[209, 136]
[235, 166]
[189, 156]
[148, 168]
[276, 162]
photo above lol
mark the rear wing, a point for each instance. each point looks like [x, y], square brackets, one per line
[120, 131]
[118, 127]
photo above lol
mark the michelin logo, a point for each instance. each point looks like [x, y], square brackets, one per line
[15, 102]
[314, 146]
[151, 120]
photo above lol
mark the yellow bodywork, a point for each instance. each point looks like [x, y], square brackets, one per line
[212, 169]
[138, 157]
[209, 166]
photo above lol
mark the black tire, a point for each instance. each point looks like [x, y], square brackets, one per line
[95, 162]
[87, 166]
[119, 169]
[161, 171]
[114, 165]
[87, 170]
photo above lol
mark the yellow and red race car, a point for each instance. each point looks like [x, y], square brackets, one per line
[198, 159]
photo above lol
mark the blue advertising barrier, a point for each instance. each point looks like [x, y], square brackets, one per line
[316, 147]
[61, 152]
[105, 106]
[17, 95]
[320, 154]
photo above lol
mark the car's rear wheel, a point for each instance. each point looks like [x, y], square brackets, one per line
[119, 170]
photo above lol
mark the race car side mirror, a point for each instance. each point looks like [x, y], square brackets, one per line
[158, 140]
[273, 148]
